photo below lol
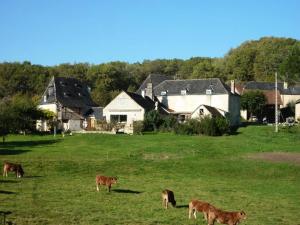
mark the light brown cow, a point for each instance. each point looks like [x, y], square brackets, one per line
[223, 217]
[12, 167]
[199, 206]
[168, 196]
[104, 180]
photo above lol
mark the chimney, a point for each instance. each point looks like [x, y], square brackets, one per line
[285, 85]
[149, 90]
[232, 87]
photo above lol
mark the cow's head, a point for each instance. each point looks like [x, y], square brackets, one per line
[113, 180]
[242, 215]
[20, 171]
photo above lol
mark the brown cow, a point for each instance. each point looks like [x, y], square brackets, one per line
[199, 206]
[104, 180]
[12, 167]
[223, 217]
[168, 196]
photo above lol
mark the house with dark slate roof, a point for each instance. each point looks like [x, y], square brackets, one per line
[72, 104]
[285, 95]
[128, 107]
[297, 110]
[191, 98]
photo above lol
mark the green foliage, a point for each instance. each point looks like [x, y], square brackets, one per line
[253, 60]
[168, 123]
[138, 127]
[210, 126]
[152, 120]
[254, 102]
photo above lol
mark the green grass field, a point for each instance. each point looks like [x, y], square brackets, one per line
[59, 183]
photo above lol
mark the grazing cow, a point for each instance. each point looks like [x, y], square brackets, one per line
[107, 181]
[230, 218]
[168, 196]
[199, 206]
[11, 167]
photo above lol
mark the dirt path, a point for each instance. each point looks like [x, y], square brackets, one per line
[288, 157]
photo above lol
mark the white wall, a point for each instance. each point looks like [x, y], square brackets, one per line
[297, 111]
[50, 107]
[188, 103]
[288, 99]
[124, 105]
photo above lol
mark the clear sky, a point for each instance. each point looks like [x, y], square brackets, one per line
[51, 32]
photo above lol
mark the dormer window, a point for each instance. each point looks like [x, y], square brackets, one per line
[78, 85]
[63, 83]
[183, 92]
[208, 91]
[67, 94]
[163, 93]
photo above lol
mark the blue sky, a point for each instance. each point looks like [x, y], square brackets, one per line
[51, 32]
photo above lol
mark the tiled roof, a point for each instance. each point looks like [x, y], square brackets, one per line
[70, 92]
[197, 86]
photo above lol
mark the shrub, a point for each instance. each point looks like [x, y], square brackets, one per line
[205, 126]
[168, 123]
[152, 120]
[138, 127]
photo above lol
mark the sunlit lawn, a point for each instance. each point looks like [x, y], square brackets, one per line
[59, 183]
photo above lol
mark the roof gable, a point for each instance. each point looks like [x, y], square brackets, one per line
[155, 79]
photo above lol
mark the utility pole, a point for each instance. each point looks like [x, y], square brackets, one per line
[276, 104]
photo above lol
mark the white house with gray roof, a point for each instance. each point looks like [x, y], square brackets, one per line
[183, 97]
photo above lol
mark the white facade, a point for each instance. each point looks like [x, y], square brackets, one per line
[297, 111]
[286, 99]
[187, 104]
[50, 107]
[124, 108]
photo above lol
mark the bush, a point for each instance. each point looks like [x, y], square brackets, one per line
[138, 127]
[168, 123]
[205, 126]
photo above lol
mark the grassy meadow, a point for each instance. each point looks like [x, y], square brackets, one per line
[59, 183]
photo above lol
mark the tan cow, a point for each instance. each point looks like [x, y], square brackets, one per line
[199, 206]
[168, 196]
[12, 167]
[104, 180]
[223, 217]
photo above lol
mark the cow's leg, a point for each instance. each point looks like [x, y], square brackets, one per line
[109, 186]
[195, 212]
[97, 185]
[190, 212]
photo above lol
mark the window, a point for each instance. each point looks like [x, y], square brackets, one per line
[163, 93]
[201, 112]
[183, 92]
[181, 118]
[208, 91]
[118, 118]
[45, 98]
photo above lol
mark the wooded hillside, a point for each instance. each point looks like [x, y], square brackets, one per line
[252, 60]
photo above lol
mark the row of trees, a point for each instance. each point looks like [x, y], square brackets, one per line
[253, 60]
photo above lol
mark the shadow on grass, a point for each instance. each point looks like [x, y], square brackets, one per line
[7, 192]
[28, 143]
[126, 191]
[182, 206]
[9, 181]
[30, 177]
[12, 152]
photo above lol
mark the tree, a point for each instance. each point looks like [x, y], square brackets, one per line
[6, 118]
[253, 102]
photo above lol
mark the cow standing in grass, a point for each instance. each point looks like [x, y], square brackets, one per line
[168, 196]
[104, 180]
[12, 167]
